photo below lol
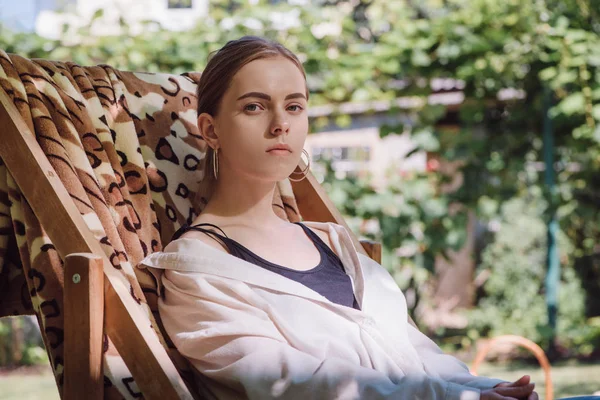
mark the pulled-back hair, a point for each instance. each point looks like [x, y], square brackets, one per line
[227, 61]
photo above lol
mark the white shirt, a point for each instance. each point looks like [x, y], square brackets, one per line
[260, 335]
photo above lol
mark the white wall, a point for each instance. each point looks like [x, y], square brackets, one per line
[385, 152]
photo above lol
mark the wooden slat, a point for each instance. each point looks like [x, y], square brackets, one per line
[125, 322]
[372, 248]
[315, 205]
[84, 317]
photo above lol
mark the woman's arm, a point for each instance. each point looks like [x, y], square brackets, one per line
[233, 342]
[388, 301]
[447, 367]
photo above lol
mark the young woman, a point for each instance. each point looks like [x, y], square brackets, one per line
[271, 309]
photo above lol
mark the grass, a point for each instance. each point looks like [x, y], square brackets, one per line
[569, 378]
[20, 385]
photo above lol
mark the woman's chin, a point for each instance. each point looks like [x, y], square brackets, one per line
[281, 174]
[275, 178]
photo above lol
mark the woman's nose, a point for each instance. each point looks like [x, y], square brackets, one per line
[280, 127]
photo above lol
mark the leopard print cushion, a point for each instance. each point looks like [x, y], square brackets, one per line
[127, 149]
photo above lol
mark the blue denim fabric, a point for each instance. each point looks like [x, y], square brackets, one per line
[580, 398]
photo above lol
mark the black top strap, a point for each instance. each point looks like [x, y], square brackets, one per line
[223, 239]
[193, 227]
[186, 227]
[236, 248]
[319, 242]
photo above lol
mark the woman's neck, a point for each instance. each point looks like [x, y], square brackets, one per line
[244, 201]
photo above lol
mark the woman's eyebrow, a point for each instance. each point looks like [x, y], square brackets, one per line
[268, 98]
[295, 96]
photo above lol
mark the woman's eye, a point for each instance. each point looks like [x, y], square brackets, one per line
[251, 107]
[295, 107]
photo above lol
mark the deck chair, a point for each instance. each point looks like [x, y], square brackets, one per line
[98, 168]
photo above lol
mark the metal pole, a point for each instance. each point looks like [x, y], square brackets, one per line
[552, 261]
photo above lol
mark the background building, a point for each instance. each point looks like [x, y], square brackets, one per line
[46, 17]
[22, 15]
[171, 14]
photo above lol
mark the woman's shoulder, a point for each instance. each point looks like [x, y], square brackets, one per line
[183, 254]
[185, 242]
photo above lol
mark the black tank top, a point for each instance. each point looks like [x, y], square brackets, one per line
[328, 278]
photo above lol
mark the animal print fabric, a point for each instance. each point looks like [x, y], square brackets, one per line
[126, 147]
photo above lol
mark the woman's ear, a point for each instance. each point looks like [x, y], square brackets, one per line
[206, 126]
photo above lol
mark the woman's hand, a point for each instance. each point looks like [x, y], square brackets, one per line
[521, 389]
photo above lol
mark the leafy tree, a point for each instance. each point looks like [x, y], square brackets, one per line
[514, 301]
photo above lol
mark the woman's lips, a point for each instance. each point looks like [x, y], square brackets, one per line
[279, 152]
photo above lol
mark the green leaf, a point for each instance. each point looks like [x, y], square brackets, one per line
[99, 13]
[548, 73]
[572, 104]
[426, 139]
[420, 59]
[343, 121]
[596, 112]
[385, 130]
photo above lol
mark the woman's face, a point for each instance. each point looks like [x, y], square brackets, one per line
[264, 106]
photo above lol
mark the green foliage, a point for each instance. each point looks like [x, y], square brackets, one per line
[522, 46]
[20, 342]
[34, 355]
[513, 301]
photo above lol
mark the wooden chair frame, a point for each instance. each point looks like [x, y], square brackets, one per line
[94, 296]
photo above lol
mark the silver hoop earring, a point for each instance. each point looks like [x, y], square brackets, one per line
[304, 172]
[216, 163]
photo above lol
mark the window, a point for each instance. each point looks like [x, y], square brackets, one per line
[179, 4]
[346, 153]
